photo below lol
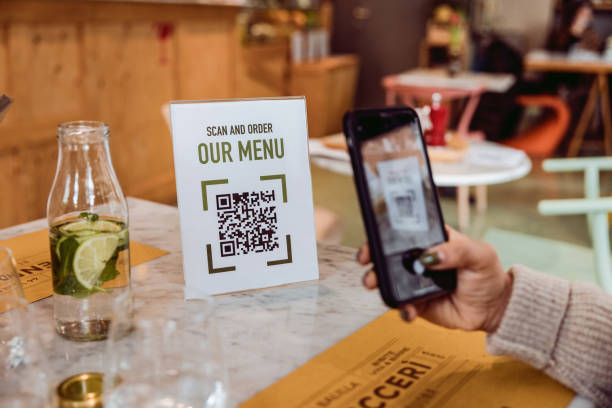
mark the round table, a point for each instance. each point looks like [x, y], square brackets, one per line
[485, 163]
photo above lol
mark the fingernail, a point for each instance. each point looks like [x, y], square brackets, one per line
[368, 279]
[358, 256]
[404, 315]
[430, 258]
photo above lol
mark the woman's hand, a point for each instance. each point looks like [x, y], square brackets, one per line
[483, 288]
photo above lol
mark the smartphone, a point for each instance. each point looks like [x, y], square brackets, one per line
[399, 202]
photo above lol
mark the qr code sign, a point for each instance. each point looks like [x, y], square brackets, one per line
[247, 222]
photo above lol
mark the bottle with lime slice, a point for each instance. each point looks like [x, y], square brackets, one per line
[88, 232]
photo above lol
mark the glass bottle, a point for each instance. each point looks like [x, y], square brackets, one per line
[439, 120]
[88, 232]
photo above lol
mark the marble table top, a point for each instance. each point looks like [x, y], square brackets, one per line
[266, 334]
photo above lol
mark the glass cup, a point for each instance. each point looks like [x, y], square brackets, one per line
[10, 285]
[23, 372]
[164, 351]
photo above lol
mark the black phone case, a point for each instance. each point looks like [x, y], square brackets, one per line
[376, 251]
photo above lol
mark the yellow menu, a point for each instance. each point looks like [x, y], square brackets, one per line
[390, 363]
[31, 252]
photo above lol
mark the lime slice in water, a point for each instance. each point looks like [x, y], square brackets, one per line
[58, 246]
[91, 256]
[81, 226]
[123, 237]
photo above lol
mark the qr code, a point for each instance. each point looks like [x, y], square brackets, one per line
[405, 204]
[247, 222]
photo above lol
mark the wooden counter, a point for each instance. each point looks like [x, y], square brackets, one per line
[118, 62]
[329, 85]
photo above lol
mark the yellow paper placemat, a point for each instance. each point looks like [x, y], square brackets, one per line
[31, 252]
[390, 363]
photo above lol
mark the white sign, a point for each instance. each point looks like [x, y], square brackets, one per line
[244, 193]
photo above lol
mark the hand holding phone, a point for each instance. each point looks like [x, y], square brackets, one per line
[399, 202]
[483, 287]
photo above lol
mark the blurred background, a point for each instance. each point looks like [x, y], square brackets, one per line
[526, 76]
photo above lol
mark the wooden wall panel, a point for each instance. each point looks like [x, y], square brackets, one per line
[34, 11]
[67, 60]
[44, 70]
[262, 70]
[129, 76]
[329, 86]
[8, 187]
[3, 59]
[35, 168]
[209, 72]
[41, 72]
[27, 175]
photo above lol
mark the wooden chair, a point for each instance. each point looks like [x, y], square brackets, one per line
[543, 140]
[595, 207]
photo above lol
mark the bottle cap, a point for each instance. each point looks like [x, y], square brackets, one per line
[81, 391]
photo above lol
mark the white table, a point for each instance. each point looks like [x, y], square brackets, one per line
[486, 163]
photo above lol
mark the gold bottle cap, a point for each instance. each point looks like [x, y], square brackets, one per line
[81, 391]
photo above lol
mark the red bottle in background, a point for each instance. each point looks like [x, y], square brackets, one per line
[439, 120]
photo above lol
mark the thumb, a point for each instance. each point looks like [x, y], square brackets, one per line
[457, 252]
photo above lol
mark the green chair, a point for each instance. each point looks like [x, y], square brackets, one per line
[596, 208]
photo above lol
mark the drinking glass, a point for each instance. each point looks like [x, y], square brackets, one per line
[10, 285]
[164, 351]
[23, 372]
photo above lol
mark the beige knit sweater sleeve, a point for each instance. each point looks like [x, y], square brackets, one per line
[562, 328]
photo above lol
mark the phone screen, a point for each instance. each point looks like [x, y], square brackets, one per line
[402, 195]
